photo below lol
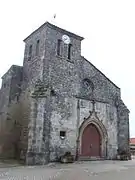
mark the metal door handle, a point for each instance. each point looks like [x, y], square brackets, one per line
[91, 146]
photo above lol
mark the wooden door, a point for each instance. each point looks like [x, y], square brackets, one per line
[91, 142]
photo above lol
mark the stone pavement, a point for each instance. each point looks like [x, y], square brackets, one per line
[8, 163]
[103, 170]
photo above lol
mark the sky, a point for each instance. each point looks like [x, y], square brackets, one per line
[107, 26]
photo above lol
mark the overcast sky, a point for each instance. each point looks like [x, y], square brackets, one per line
[108, 27]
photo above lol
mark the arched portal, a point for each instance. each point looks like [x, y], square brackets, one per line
[93, 139]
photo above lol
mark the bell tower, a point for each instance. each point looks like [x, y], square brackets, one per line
[50, 53]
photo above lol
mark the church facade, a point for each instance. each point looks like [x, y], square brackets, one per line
[58, 102]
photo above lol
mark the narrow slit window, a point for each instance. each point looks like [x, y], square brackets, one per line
[59, 48]
[4, 85]
[69, 51]
[30, 52]
[37, 48]
[17, 98]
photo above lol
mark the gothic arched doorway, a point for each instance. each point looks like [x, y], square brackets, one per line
[91, 141]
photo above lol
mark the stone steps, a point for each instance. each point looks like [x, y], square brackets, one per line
[88, 158]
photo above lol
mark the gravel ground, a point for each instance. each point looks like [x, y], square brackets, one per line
[103, 170]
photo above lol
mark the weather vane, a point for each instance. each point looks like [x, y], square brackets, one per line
[53, 19]
[54, 16]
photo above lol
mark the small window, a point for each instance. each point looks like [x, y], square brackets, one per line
[17, 98]
[30, 52]
[59, 53]
[4, 85]
[37, 48]
[69, 51]
[62, 134]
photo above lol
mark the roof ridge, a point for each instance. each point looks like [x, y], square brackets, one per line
[11, 67]
[54, 27]
[100, 72]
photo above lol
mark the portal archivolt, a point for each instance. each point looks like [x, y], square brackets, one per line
[93, 138]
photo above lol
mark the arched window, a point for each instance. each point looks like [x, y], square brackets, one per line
[59, 50]
[69, 51]
[37, 48]
[30, 52]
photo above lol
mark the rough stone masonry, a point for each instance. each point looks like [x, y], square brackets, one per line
[60, 102]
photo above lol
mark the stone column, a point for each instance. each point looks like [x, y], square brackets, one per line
[77, 130]
[105, 148]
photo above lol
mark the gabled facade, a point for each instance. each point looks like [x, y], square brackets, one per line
[63, 103]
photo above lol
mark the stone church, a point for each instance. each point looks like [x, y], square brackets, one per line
[58, 101]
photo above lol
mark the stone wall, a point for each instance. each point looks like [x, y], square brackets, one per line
[10, 91]
[39, 125]
[104, 89]
[123, 127]
[37, 152]
[63, 118]
[16, 127]
[33, 68]
[63, 121]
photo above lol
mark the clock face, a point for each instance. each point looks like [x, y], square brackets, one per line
[66, 39]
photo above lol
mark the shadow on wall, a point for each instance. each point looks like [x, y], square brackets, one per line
[13, 140]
